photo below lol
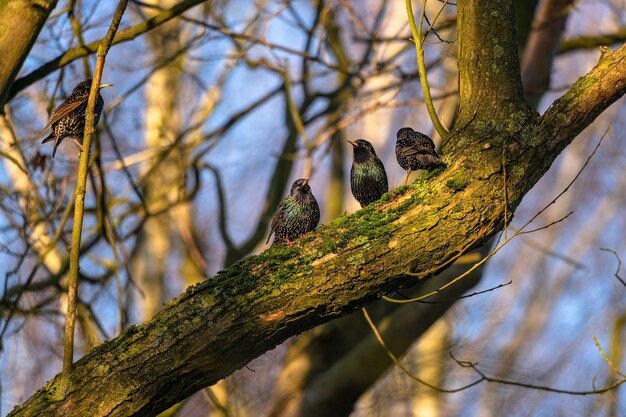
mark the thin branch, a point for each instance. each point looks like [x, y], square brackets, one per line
[297, 122]
[485, 377]
[619, 265]
[418, 39]
[452, 300]
[408, 373]
[606, 358]
[14, 160]
[81, 183]
[588, 42]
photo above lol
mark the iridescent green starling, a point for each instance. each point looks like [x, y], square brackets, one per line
[415, 150]
[68, 120]
[297, 214]
[368, 178]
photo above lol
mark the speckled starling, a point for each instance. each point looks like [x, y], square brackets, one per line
[415, 150]
[68, 120]
[297, 214]
[368, 178]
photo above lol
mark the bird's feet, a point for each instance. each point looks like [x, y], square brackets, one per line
[80, 145]
[289, 242]
[408, 174]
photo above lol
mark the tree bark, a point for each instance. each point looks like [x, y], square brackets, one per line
[487, 53]
[218, 326]
[353, 359]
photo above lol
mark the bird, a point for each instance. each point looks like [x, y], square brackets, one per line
[415, 150]
[68, 120]
[297, 214]
[368, 178]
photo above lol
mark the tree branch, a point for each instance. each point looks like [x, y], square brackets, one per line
[586, 42]
[585, 100]
[81, 186]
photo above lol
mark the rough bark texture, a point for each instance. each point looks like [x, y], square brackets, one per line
[218, 326]
[327, 369]
[20, 24]
[487, 51]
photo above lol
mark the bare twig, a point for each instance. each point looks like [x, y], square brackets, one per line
[452, 300]
[81, 182]
[418, 39]
[408, 373]
[487, 378]
[606, 358]
[619, 265]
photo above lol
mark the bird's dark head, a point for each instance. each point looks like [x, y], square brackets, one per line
[300, 186]
[404, 133]
[362, 149]
[85, 86]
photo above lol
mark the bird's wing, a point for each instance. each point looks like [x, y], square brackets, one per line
[278, 218]
[408, 151]
[421, 144]
[62, 111]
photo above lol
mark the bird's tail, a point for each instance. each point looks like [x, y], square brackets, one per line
[430, 160]
[48, 138]
[437, 161]
[51, 138]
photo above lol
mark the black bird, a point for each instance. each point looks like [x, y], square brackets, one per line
[415, 150]
[368, 178]
[297, 214]
[68, 120]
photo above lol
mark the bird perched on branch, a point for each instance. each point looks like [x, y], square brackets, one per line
[68, 120]
[297, 214]
[415, 150]
[368, 178]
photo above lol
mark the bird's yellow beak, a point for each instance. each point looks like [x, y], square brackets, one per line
[352, 143]
[105, 86]
[306, 181]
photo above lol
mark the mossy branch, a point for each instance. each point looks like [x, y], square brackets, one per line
[81, 185]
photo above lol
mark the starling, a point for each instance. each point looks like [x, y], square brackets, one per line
[415, 150]
[297, 214]
[368, 178]
[68, 120]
